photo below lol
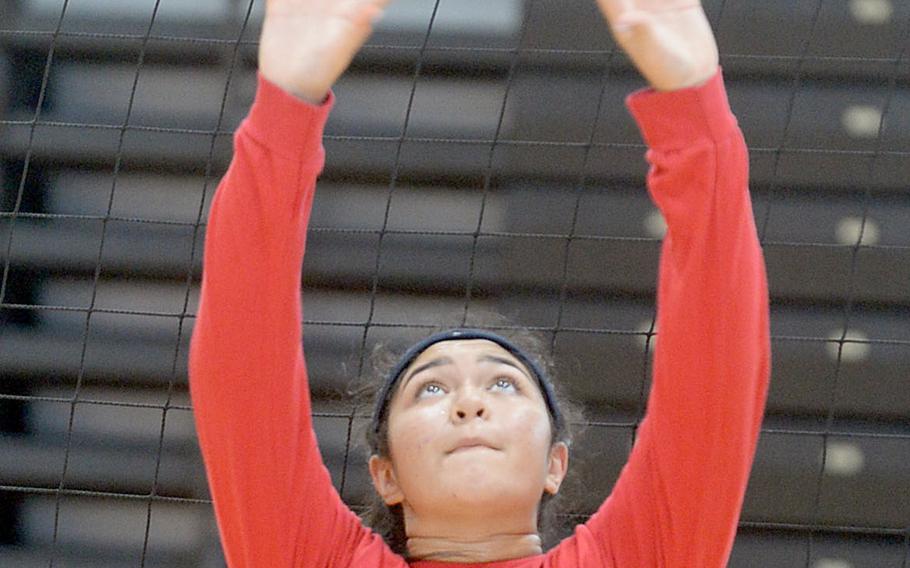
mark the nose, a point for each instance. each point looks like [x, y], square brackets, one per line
[469, 405]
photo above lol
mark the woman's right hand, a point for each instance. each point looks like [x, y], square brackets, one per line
[307, 44]
[670, 41]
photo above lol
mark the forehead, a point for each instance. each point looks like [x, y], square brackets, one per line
[463, 349]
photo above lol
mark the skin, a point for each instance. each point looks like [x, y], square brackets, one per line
[306, 45]
[669, 41]
[469, 392]
[480, 504]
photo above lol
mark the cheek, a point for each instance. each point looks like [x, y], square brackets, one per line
[532, 425]
[532, 440]
[412, 432]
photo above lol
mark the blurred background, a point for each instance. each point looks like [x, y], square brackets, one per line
[479, 157]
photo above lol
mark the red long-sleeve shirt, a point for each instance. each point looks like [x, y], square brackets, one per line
[678, 499]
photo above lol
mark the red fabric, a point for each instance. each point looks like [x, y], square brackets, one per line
[678, 499]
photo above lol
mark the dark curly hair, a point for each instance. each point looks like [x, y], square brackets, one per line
[388, 521]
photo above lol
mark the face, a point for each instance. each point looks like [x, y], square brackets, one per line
[468, 426]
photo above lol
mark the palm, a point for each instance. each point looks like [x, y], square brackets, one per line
[307, 44]
[670, 41]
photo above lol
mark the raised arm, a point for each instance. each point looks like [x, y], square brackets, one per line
[678, 499]
[273, 497]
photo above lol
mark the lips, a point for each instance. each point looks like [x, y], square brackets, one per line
[472, 442]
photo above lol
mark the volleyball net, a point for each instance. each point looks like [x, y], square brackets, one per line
[480, 158]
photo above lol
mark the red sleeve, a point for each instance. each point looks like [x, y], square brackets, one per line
[678, 500]
[273, 497]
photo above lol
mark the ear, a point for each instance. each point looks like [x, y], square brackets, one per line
[557, 466]
[385, 481]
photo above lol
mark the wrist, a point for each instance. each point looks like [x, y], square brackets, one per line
[284, 123]
[697, 79]
[306, 94]
[311, 98]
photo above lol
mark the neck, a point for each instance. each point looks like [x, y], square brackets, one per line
[482, 549]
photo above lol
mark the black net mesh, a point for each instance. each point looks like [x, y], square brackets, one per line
[480, 159]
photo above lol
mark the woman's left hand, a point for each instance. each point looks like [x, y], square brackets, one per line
[670, 41]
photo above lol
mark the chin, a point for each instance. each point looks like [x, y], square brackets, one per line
[486, 487]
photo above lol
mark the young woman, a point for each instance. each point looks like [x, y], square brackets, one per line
[466, 435]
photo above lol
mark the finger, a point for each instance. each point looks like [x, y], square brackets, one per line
[379, 6]
[372, 13]
[631, 22]
[655, 6]
[614, 9]
[364, 11]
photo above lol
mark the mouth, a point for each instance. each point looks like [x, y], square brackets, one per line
[468, 444]
[463, 449]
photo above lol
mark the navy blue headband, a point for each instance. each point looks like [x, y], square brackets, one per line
[546, 389]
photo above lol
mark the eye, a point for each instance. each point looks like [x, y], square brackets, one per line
[430, 389]
[505, 384]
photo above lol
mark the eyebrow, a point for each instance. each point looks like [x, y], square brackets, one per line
[438, 362]
[503, 361]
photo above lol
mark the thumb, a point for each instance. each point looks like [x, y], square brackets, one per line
[373, 13]
[365, 13]
[631, 22]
